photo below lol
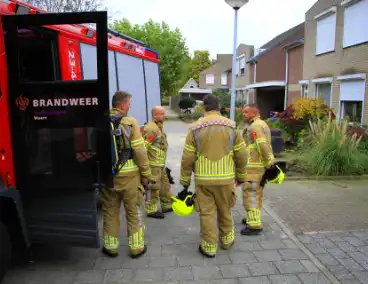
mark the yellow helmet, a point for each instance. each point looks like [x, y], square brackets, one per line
[180, 207]
[279, 178]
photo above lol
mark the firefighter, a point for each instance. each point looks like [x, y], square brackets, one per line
[156, 145]
[216, 152]
[128, 183]
[258, 138]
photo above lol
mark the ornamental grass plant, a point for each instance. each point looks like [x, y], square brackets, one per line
[330, 151]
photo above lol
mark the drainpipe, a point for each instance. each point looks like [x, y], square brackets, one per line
[254, 81]
[286, 79]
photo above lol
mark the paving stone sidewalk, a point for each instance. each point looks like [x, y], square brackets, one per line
[275, 256]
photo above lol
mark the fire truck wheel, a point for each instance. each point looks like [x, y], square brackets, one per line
[5, 248]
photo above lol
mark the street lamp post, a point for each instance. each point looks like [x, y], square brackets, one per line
[236, 5]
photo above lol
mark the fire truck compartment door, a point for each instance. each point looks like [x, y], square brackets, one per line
[60, 135]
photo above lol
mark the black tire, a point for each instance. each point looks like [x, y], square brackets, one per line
[187, 111]
[5, 248]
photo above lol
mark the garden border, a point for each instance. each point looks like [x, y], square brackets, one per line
[327, 178]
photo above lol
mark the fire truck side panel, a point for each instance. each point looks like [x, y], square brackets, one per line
[6, 153]
[152, 75]
[70, 65]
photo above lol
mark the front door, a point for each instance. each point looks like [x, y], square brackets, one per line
[60, 129]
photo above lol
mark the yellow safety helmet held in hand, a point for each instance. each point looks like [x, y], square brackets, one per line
[273, 175]
[279, 177]
[180, 207]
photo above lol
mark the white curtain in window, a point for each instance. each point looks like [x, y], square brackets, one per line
[224, 78]
[242, 63]
[210, 79]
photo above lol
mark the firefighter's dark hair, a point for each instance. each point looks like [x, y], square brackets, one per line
[211, 102]
[119, 98]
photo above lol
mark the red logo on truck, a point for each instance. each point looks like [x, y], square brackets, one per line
[22, 102]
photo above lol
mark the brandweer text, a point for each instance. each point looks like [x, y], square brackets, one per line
[65, 102]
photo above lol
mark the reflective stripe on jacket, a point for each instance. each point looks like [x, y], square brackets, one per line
[258, 137]
[214, 150]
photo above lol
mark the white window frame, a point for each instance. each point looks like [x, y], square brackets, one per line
[331, 12]
[360, 76]
[316, 84]
[224, 79]
[303, 91]
[352, 4]
[242, 59]
[237, 66]
[210, 79]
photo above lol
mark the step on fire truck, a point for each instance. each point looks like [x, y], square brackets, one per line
[57, 76]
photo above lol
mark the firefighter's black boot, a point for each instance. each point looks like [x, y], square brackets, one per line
[138, 255]
[108, 253]
[244, 221]
[203, 253]
[156, 215]
[250, 232]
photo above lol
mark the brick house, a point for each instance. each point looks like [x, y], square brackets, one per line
[268, 72]
[336, 56]
[294, 71]
[216, 76]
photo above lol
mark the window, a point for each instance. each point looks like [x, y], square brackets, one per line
[242, 65]
[152, 85]
[210, 79]
[326, 33]
[237, 67]
[355, 18]
[352, 111]
[352, 94]
[224, 79]
[304, 91]
[323, 91]
[131, 79]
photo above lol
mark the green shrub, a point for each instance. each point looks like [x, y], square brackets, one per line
[192, 116]
[186, 103]
[165, 101]
[329, 151]
[363, 146]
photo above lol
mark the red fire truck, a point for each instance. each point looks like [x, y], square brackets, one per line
[57, 76]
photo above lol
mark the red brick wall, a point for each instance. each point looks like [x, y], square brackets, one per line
[272, 65]
[296, 65]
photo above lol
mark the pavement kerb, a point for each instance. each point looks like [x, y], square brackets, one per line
[301, 246]
[327, 178]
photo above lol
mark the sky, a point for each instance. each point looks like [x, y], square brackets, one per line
[209, 24]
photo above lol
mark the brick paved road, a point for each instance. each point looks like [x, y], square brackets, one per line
[276, 256]
[321, 205]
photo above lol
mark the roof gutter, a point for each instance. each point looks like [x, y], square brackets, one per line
[294, 44]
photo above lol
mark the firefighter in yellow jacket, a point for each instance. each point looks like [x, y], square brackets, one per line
[216, 152]
[156, 145]
[127, 185]
[258, 138]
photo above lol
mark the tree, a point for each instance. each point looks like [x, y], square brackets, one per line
[59, 6]
[199, 62]
[171, 46]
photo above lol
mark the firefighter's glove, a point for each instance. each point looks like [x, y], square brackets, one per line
[190, 201]
[184, 193]
[169, 176]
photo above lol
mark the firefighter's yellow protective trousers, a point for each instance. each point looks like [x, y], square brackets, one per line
[252, 202]
[130, 192]
[212, 199]
[161, 190]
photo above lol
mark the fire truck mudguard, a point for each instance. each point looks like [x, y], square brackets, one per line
[55, 178]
